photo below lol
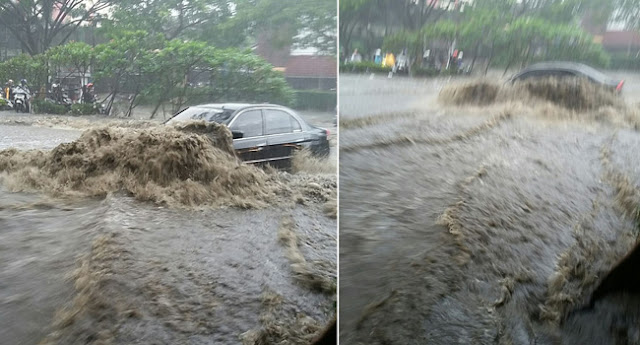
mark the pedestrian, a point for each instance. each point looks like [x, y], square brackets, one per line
[8, 90]
[377, 58]
[389, 60]
[356, 57]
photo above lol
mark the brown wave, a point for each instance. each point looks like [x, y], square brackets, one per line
[193, 164]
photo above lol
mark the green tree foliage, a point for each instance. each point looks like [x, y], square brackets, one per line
[170, 18]
[509, 34]
[233, 70]
[125, 60]
[160, 72]
[365, 21]
[298, 22]
[33, 69]
[224, 23]
[41, 24]
[75, 57]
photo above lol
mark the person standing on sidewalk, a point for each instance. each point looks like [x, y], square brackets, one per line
[356, 57]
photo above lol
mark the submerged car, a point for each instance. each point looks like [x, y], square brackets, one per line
[562, 69]
[262, 133]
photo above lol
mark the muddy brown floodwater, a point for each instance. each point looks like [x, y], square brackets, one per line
[468, 224]
[105, 242]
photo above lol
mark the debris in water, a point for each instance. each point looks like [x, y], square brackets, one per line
[280, 326]
[316, 276]
[304, 161]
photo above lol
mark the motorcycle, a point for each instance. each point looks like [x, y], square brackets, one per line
[21, 99]
[58, 96]
[98, 106]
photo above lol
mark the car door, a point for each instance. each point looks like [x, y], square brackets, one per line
[252, 146]
[284, 134]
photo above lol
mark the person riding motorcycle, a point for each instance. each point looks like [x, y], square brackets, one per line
[88, 96]
[25, 85]
[57, 93]
[22, 91]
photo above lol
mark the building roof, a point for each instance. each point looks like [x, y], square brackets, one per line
[311, 66]
[621, 39]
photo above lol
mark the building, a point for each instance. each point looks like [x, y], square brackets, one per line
[614, 36]
[305, 72]
[622, 42]
[304, 69]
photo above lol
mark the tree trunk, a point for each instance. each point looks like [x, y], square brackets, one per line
[486, 70]
[155, 110]
[131, 105]
[112, 100]
[476, 51]
[114, 93]
[508, 66]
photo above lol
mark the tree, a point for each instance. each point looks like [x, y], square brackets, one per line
[74, 57]
[32, 68]
[41, 24]
[125, 60]
[351, 12]
[304, 23]
[225, 23]
[171, 18]
[188, 72]
[174, 65]
[242, 76]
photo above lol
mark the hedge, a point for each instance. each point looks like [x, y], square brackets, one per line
[620, 61]
[425, 72]
[83, 109]
[364, 67]
[45, 107]
[316, 99]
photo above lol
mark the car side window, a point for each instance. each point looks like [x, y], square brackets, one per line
[249, 123]
[526, 75]
[562, 74]
[277, 122]
[546, 74]
[295, 125]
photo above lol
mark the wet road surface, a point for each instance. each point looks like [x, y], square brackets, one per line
[478, 225]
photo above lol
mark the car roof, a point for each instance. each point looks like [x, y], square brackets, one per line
[233, 106]
[570, 66]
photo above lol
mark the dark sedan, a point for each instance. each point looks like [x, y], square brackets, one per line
[262, 133]
[568, 69]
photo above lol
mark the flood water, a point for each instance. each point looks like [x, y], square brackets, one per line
[480, 225]
[114, 269]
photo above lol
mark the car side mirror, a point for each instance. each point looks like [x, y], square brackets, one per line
[237, 134]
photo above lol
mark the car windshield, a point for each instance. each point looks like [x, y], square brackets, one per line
[206, 114]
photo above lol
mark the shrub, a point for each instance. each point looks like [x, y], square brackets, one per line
[45, 107]
[83, 109]
[622, 61]
[316, 99]
[364, 67]
[425, 72]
